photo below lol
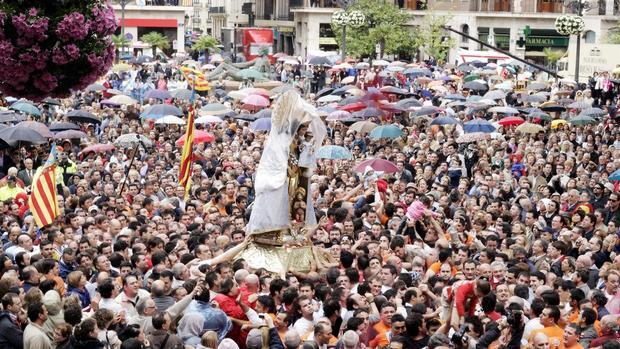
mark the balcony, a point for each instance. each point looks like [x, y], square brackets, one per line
[217, 9]
[184, 3]
[313, 3]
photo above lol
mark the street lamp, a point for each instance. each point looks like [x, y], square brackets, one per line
[578, 7]
[123, 3]
[344, 18]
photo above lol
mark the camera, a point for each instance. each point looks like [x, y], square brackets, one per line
[513, 318]
[459, 339]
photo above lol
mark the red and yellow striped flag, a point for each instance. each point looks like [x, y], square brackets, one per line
[43, 202]
[185, 169]
[196, 80]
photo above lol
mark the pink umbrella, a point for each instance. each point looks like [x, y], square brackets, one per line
[339, 115]
[200, 136]
[256, 100]
[377, 165]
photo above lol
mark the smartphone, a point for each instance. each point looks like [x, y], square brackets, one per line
[261, 316]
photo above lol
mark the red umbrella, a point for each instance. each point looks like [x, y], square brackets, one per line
[200, 136]
[511, 121]
[256, 101]
[98, 148]
[377, 165]
[373, 94]
[354, 107]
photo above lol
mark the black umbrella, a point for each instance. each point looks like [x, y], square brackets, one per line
[63, 126]
[10, 116]
[51, 101]
[553, 108]
[245, 116]
[143, 59]
[17, 134]
[427, 111]
[368, 113]
[320, 61]
[408, 103]
[350, 100]
[219, 93]
[83, 116]
[342, 90]
[475, 85]
[263, 114]
[465, 68]
[324, 92]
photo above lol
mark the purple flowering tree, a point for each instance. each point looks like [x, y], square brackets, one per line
[52, 47]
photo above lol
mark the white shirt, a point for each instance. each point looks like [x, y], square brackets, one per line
[111, 304]
[303, 326]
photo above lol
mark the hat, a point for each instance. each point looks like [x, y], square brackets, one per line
[93, 208]
[254, 339]
[609, 186]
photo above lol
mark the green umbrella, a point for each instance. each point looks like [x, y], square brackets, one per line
[472, 77]
[25, 107]
[582, 120]
[250, 74]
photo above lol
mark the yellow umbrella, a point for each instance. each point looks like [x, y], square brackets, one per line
[121, 67]
[528, 127]
[556, 123]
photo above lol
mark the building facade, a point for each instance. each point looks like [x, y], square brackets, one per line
[499, 22]
[168, 17]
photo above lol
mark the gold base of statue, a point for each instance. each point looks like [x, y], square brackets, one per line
[281, 251]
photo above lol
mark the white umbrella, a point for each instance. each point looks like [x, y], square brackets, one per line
[208, 119]
[328, 99]
[170, 120]
[123, 99]
[362, 65]
[291, 62]
[380, 62]
[237, 95]
[348, 80]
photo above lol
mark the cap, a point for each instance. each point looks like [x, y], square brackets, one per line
[11, 178]
[254, 339]
[93, 208]
[609, 186]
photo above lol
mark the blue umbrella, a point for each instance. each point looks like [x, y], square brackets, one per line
[263, 124]
[478, 125]
[26, 108]
[615, 176]
[160, 110]
[158, 94]
[386, 131]
[333, 152]
[265, 113]
[444, 120]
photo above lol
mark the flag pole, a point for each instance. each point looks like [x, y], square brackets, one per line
[133, 156]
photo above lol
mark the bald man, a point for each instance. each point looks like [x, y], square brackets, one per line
[541, 341]
[249, 289]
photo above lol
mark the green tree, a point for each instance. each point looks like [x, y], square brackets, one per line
[553, 56]
[156, 41]
[386, 26]
[206, 43]
[120, 42]
[433, 38]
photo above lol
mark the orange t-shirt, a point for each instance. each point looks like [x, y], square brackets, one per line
[552, 332]
[378, 332]
[435, 267]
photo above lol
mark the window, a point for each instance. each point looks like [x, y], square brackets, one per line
[590, 37]
[465, 30]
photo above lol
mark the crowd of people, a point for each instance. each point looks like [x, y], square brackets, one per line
[507, 241]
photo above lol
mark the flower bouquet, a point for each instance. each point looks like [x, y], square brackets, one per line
[569, 25]
[51, 47]
[351, 18]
